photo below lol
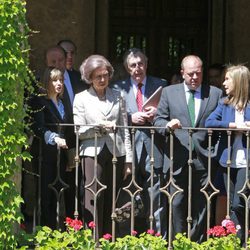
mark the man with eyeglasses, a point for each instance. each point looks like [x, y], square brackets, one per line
[137, 89]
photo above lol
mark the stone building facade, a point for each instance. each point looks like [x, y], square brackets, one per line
[216, 30]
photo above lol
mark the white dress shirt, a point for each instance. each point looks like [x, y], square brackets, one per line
[135, 87]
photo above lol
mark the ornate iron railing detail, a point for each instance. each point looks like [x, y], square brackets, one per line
[170, 189]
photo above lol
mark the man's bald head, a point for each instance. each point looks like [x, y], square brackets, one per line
[56, 57]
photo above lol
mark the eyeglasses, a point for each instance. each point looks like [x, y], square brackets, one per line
[134, 65]
[100, 77]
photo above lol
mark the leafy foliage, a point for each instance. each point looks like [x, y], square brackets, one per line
[228, 242]
[145, 241]
[14, 77]
[55, 239]
[76, 238]
[223, 238]
[182, 242]
[73, 238]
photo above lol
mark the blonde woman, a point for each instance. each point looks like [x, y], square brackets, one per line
[234, 112]
[49, 111]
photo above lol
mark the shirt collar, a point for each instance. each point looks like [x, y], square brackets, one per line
[66, 75]
[135, 83]
[196, 90]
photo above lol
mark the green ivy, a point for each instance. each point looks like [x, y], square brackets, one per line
[14, 78]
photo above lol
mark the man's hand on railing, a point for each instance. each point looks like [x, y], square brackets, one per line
[61, 143]
[127, 170]
[174, 124]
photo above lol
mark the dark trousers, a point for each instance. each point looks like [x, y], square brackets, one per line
[52, 184]
[198, 204]
[238, 206]
[104, 174]
[151, 194]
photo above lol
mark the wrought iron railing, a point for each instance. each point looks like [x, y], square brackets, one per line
[209, 190]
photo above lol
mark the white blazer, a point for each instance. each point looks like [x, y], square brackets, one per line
[89, 110]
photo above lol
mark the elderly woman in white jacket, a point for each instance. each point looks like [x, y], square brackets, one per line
[104, 108]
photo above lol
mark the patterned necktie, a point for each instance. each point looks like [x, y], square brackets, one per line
[191, 106]
[139, 96]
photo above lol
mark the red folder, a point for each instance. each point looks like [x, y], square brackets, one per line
[153, 100]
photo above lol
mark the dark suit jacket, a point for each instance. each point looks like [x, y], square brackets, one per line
[46, 116]
[220, 118]
[173, 105]
[78, 86]
[77, 83]
[142, 136]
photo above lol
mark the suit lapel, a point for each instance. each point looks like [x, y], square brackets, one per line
[106, 107]
[109, 102]
[67, 105]
[150, 88]
[72, 81]
[181, 95]
[54, 111]
[204, 102]
[132, 105]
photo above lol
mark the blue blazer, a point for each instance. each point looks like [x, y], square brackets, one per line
[220, 118]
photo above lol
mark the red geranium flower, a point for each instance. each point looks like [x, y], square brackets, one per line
[219, 231]
[134, 233]
[107, 236]
[92, 224]
[151, 231]
[68, 220]
[227, 227]
[76, 224]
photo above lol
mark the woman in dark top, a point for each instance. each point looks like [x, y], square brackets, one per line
[48, 111]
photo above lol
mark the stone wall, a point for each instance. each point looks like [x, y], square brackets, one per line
[238, 32]
[61, 19]
[86, 22]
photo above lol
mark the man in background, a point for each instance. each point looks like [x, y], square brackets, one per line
[71, 50]
[216, 75]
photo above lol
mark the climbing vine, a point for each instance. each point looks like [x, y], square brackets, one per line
[14, 80]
